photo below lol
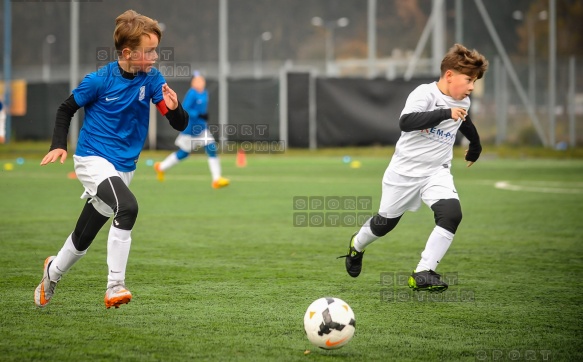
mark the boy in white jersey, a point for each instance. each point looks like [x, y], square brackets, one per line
[420, 167]
[116, 99]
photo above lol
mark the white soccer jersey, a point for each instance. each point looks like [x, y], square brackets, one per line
[425, 152]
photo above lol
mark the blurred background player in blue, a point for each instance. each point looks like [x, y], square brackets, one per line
[196, 135]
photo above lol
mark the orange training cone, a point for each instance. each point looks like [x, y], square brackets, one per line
[241, 158]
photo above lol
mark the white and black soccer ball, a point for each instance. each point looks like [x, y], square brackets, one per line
[329, 323]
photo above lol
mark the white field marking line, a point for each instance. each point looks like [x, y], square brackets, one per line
[240, 178]
[567, 188]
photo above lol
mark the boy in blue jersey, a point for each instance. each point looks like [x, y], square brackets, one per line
[116, 99]
[196, 135]
[420, 168]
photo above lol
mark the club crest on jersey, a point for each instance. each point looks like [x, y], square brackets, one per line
[142, 93]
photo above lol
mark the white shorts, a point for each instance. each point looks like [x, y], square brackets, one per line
[189, 143]
[403, 193]
[92, 171]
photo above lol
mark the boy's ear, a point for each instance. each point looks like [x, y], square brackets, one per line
[126, 53]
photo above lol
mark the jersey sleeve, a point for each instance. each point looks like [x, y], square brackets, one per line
[156, 86]
[88, 90]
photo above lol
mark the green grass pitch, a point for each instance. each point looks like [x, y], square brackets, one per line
[226, 275]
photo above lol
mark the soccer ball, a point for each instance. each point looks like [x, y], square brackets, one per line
[329, 323]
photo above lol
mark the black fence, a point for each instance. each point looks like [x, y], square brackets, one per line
[349, 111]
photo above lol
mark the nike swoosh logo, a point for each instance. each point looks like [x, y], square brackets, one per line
[110, 99]
[440, 105]
[332, 344]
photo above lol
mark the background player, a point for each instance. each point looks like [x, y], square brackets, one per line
[196, 135]
[116, 99]
[420, 167]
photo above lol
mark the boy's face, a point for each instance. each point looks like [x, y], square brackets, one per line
[459, 85]
[198, 83]
[143, 58]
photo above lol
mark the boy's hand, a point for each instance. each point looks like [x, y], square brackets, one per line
[458, 113]
[170, 97]
[54, 155]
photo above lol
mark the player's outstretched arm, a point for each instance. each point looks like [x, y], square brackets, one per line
[468, 129]
[58, 149]
[53, 155]
[417, 121]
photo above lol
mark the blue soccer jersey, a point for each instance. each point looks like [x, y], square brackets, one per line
[117, 112]
[195, 104]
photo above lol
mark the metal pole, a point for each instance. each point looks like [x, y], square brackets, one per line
[459, 22]
[498, 73]
[503, 103]
[438, 43]
[572, 138]
[257, 57]
[223, 69]
[531, 61]
[7, 66]
[74, 70]
[283, 120]
[372, 38]
[329, 48]
[552, 69]
[312, 127]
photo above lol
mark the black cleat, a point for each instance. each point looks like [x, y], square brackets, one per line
[353, 259]
[427, 280]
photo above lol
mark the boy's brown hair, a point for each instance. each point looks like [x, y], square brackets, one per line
[130, 26]
[464, 61]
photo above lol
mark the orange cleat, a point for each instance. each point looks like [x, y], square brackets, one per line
[159, 172]
[45, 290]
[116, 296]
[220, 183]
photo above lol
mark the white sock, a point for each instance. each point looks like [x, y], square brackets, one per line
[364, 237]
[170, 161]
[118, 250]
[215, 167]
[67, 256]
[436, 247]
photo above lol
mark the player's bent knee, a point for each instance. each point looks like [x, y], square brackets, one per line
[127, 213]
[448, 214]
[115, 193]
[381, 226]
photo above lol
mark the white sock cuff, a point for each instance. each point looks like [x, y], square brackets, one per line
[446, 234]
[120, 235]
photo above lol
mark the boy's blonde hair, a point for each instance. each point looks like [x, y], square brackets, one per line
[129, 28]
[465, 61]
